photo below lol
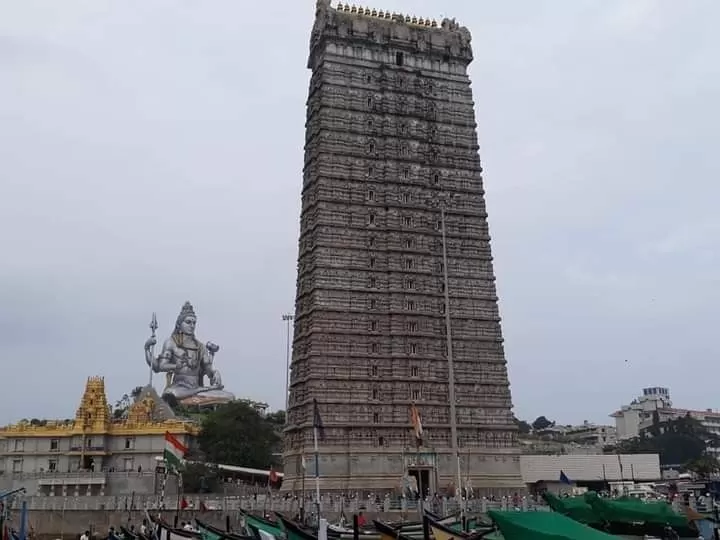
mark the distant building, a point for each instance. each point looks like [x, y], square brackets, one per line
[589, 434]
[633, 419]
[586, 438]
[629, 417]
[261, 407]
[93, 454]
[592, 472]
[534, 446]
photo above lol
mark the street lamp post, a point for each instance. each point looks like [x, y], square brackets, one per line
[288, 318]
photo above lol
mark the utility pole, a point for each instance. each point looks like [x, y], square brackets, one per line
[288, 318]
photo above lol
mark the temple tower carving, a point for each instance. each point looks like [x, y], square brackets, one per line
[390, 142]
[94, 410]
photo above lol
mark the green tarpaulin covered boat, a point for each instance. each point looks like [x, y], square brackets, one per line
[208, 532]
[576, 508]
[544, 526]
[624, 511]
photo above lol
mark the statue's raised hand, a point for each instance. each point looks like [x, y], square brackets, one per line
[216, 380]
[150, 343]
[212, 347]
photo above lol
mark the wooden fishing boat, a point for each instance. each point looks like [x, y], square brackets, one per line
[294, 531]
[263, 525]
[127, 534]
[408, 530]
[387, 532]
[440, 531]
[135, 535]
[167, 532]
[208, 532]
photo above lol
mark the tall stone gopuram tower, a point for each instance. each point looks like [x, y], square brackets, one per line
[391, 162]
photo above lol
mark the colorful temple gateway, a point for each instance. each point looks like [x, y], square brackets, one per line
[86, 455]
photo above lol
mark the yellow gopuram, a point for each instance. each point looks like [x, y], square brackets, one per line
[85, 453]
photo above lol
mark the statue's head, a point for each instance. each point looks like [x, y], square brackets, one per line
[186, 321]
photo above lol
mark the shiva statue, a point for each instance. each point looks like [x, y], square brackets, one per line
[187, 362]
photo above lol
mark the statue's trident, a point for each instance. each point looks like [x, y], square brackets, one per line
[153, 328]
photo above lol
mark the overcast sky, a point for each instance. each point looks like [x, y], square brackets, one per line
[151, 153]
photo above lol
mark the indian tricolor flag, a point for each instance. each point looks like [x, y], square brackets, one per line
[416, 423]
[174, 451]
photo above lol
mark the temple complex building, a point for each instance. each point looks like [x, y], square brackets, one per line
[395, 285]
[87, 454]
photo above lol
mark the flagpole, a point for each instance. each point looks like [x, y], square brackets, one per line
[317, 472]
[607, 486]
[421, 500]
[302, 489]
[163, 484]
[181, 495]
[23, 521]
[451, 369]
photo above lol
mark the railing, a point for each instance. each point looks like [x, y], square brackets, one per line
[329, 505]
[80, 475]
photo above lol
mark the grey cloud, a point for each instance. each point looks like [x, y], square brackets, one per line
[151, 153]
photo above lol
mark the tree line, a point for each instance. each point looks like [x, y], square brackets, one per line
[233, 434]
[680, 442]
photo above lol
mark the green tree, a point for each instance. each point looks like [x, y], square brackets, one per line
[523, 427]
[236, 434]
[705, 466]
[200, 478]
[542, 423]
[678, 442]
[277, 418]
[122, 406]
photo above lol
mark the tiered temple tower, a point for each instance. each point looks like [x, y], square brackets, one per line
[391, 163]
